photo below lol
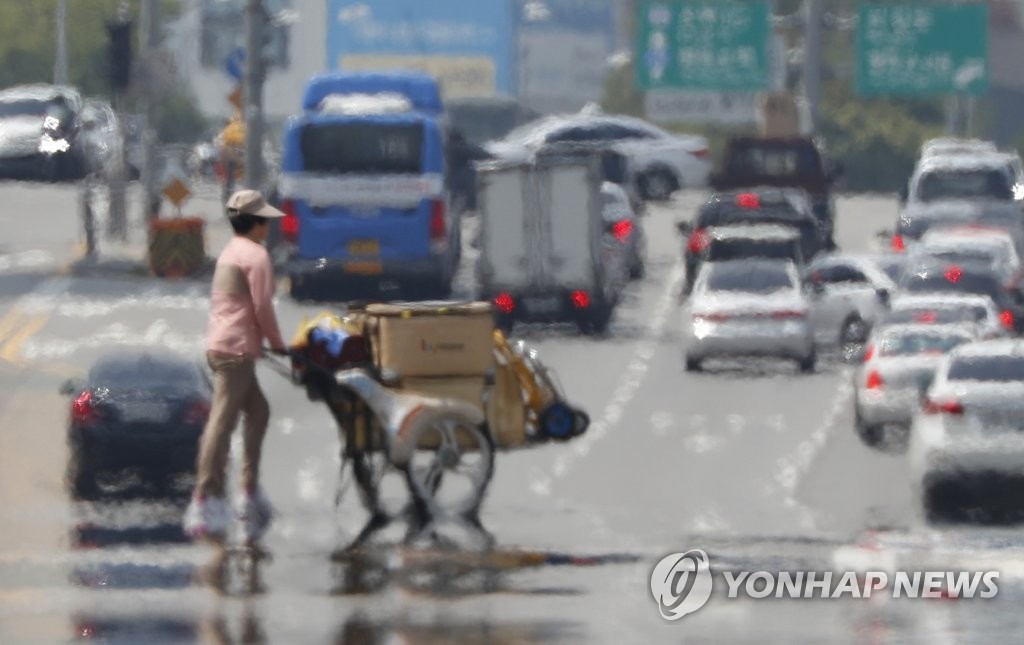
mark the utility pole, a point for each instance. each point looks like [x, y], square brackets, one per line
[149, 35]
[60, 71]
[255, 70]
[813, 19]
[121, 69]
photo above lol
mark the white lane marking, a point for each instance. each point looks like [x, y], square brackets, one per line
[623, 393]
[792, 468]
[661, 423]
[159, 332]
[26, 260]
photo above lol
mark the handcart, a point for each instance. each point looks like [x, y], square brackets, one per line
[439, 433]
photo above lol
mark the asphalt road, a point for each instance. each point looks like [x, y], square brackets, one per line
[752, 462]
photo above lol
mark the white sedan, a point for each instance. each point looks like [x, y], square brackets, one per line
[950, 309]
[750, 307]
[966, 445]
[898, 367]
[661, 162]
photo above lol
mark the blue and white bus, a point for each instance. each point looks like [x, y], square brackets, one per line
[363, 184]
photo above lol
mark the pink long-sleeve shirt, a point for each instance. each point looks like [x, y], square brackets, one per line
[241, 301]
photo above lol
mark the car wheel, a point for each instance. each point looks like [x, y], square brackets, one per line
[693, 364]
[808, 363]
[637, 270]
[82, 482]
[873, 436]
[300, 288]
[595, 321]
[852, 338]
[658, 185]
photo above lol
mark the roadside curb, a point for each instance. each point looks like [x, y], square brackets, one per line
[91, 267]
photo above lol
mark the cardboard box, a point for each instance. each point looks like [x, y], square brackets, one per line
[434, 341]
[506, 412]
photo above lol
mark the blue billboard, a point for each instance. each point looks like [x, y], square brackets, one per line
[468, 46]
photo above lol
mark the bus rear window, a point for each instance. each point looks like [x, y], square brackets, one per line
[362, 148]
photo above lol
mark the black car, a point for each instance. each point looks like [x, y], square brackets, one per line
[41, 125]
[941, 277]
[137, 411]
[784, 162]
[786, 207]
[917, 220]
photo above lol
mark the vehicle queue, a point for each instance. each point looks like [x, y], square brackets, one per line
[933, 314]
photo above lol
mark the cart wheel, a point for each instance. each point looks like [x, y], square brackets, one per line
[558, 421]
[379, 492]
[451, 478]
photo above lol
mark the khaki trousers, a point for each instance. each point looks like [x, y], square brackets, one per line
[235, 392]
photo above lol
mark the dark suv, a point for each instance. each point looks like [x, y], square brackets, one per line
[759, 206]
[786, 163]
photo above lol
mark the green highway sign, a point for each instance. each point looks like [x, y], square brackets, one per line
[921, 49]
[703, 44]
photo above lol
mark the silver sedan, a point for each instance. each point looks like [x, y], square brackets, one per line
[898, 367]
[748, 308]
[966, 446]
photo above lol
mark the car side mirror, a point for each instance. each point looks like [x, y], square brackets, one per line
[71, 387]
[814, 289]
[684, 228]
[883, 296]
[837, 171]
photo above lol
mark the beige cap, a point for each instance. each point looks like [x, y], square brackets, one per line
[251, 202]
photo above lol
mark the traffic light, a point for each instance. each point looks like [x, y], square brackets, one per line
[120, 53]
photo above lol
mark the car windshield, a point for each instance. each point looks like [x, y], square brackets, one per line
[937, 316]
[987, 368]
[144, 374]
[892, 268]
[737, 249]
[775, 162]
[977, 255]
[909, 344]
[965, 184]
[749, 277]
[26, 107]
[483, 123]
[952, 280]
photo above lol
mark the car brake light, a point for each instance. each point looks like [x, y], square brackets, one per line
[438, 228]
[953, 274]
[290, 222]
[580, 299]
[1006, 318]
[197, 413]
[869, 354]
[83, 412]
[505, 303]
[874, 381]
[711, 317]
[622, 230]
[700, 154]
[698, 241]
[943, 407]
[748, 200]
[786, 315]
[925, 317]
[897, 244]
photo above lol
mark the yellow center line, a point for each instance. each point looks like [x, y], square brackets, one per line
[10, 322]
[11, 350]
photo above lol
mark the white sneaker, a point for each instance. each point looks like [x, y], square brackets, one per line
[207, 517]
[256, 514]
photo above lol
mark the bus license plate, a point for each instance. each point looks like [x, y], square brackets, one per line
[367, 267]
[364, 248]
